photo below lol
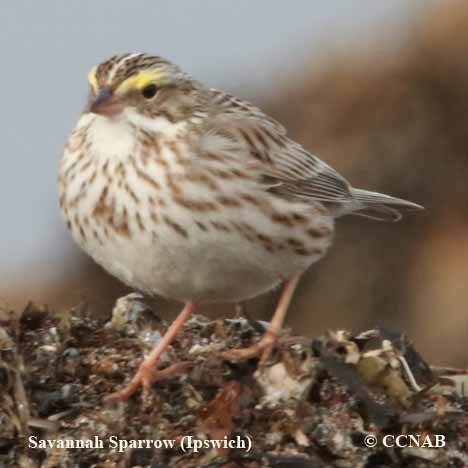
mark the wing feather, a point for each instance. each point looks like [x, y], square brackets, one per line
[285, 165]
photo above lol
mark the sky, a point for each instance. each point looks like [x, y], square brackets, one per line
[48, 47]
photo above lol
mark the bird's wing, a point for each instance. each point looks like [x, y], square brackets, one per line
[284, 164]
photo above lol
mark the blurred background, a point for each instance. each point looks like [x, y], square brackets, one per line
[377, 89]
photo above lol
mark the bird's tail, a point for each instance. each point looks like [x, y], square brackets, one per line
[381, 207]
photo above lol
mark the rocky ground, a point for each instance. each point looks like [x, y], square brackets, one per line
[315, 404]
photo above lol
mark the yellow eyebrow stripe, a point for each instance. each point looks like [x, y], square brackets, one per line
[92, 78]
[142, 79]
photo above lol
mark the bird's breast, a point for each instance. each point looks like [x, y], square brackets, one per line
[168, 219]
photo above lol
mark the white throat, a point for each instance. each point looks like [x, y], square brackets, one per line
[115, 137]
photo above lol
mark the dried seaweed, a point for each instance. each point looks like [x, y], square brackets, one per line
[311, 405]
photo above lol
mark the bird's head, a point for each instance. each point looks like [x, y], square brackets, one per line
[148, 85]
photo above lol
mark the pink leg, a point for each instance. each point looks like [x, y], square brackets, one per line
[147, 374]
[264, 347]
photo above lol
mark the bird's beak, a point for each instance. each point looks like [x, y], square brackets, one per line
[106, 103]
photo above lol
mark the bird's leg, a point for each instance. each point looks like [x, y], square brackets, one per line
[264, 347]
[147, 374]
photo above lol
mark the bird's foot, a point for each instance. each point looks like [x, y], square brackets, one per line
[262, 350]
[145, 377]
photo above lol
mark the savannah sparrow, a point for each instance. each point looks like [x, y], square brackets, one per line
[190, 193]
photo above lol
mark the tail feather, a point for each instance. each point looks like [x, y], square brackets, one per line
[381, 207]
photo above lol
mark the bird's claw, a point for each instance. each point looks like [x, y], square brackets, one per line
[262, 349]
[145, 377]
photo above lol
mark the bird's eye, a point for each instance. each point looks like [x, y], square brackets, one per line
[149, 91]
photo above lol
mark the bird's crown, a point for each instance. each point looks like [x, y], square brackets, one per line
[133, 71]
